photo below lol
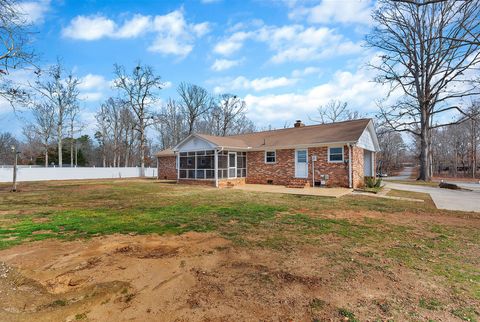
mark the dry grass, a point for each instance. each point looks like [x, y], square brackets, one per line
[357, 237]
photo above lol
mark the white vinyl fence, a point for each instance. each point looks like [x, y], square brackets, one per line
[42, 174]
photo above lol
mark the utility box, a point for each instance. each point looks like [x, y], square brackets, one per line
[314, 157]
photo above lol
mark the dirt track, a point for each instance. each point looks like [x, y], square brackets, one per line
[198, 277]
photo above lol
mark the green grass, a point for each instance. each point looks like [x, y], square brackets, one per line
[360, 226]
[430, 304]
[413, 195]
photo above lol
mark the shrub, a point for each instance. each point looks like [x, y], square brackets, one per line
[371, 182]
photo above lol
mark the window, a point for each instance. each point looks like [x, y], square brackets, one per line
[270, 156]
[335, 154]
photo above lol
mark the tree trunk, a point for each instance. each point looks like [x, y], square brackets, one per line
[46, 155]
[424, 172]
[59, 134]
[71, 145]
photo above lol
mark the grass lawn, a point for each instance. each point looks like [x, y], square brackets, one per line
[413, 195]
[416, 182]
[354, 237]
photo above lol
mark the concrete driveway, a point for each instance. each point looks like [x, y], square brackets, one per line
[445, 198]
[403, 175]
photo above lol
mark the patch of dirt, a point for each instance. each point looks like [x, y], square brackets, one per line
[203, 277]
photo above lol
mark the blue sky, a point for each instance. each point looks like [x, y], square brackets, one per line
[285, 58]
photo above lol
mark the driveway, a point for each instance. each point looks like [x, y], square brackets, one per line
[403, 175]
[445, 198]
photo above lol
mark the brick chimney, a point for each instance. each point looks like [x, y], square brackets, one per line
[298, 123]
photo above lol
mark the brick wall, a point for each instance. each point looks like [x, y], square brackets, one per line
[210, 183]
[283, 171]
[225, 183]
[357, 167]
[166, 168]
[337, 171]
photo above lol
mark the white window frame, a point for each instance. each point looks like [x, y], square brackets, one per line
[265, 157]
[343, 154]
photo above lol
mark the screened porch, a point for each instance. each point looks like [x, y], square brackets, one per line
[202, 165]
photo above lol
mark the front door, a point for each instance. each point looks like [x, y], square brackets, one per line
[232, 164]
[301, 163]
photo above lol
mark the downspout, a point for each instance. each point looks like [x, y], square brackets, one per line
[177, 162]
[350, 185]
[216, 168]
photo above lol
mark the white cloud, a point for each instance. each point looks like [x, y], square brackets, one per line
[334, 11]
[134, 27]
[355, 88]
[224, 64]
[93, 87]
[89, 28]
[292, 42]
[91, 96]
[34, 11]
[232, 43]
[167, 84]
[306, 71]
[173, 34]
[258, 84]
[201, 29]
[92, 81]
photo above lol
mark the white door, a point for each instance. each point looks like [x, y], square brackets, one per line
[367, 163]
[232, 164]
[301, 163]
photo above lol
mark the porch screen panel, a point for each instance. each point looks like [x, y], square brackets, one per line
[222, 164]
[197, 165]
[241, 164]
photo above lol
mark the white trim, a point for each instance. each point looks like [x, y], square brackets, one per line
[216, 167]
[350, 174]
[178, 166]
[336, 161]
[265, 156]
[296, 174]
[234, 167]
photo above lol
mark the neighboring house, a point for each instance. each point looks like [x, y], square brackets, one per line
[336, 154]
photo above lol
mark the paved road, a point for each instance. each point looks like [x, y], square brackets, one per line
[445, 198]
[403, 175]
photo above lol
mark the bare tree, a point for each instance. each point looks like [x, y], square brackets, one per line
[195, 102]
[7, 140]
[171, 127]
[128, 130]
[60, 90]
[43, 124]
[336, 111]
[423, 58]
[15, 51]
[73, 115]
[392, 149]
[228, 109]
[140, 89]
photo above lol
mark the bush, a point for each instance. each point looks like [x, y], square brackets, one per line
[371, 182]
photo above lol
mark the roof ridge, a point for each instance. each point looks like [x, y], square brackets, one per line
[290, 128]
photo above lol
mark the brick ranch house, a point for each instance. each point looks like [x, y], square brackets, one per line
[337, 154]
